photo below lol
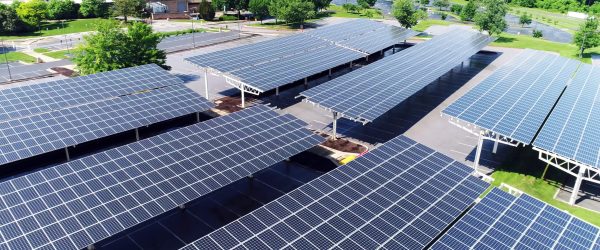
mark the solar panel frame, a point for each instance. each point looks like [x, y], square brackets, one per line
[571, 128]
[46, 132]
[516, 99]
[81, 202]
[366, 93]
[343, 208]
[44, 97]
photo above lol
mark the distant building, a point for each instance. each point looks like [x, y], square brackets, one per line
[175, 6]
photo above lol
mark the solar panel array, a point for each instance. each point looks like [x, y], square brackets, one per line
[188, 41]
[401, 195]
[45, 132]
[298, 56]
[572, 128]
[73, 205]
[39, 98]
[369, 92]
[503, 221]
[516, 99]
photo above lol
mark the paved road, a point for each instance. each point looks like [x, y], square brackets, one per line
[20, 71]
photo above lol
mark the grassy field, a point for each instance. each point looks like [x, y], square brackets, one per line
[56, 28]
[41, 50]
[424, 24]
[60, 54]
[564, 49]
[338, 11]
[16, 56]
[555, 19]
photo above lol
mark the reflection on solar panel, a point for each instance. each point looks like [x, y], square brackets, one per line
[369, 92]
[39, 98]
[42, 133]
[73, 205]
[503, 221]
[572, 128]
[401, 195]
[516, 99]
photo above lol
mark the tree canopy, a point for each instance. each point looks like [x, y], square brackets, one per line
[322, 4]
[588, 35]
[441, 4]
[292, 11]
[260, 8]
[491, 19]
[114, 48]
[366, 3]
[468, 12]
[93, 8]
[406, 13]
[61, 9]
[32, 12]
[127, 8]
[525, 19]
[9, 20]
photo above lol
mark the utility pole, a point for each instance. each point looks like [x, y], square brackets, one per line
[6, 60]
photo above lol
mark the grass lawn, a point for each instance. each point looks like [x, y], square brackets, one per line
[60, 54]
[41, 50]
[522, 41]
[16, 56]
[338, 11]
[424, 24]
[541, 189]
[555, 19]
[56, 28]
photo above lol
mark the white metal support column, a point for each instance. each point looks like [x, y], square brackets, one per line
[197, 116]
[306, 83]
[496, 144]
[243, 96]
[335, 117]
[137, 134]
[351, 64]
[206, 84]
[577, 186]
[329, 73]
[277, 91]
[67, 154]
[478, 152]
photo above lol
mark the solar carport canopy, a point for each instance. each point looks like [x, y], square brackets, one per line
[571, 130]
[516, 99]
[73, 205]
[503, 221]
[369, 92]
[398, 196]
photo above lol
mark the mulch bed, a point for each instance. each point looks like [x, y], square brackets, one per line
[344, 145]
[64, 71]
[232, 104]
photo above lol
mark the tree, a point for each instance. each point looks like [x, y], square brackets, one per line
[114, 48]
[32, 12]
[469, 11]
[127, 8]
[456, 8]
[9, 21]
[276, 9]
[406, 13]
[526, 3]
[424, 2]
[61, 9]
[587, 36]
[595, 8]
[297, 11]
[93, 8]
[525, 19]
[492, 18]
[537, 33]
[441, 4]
[259, 8]
[366, 3]
[321, 4]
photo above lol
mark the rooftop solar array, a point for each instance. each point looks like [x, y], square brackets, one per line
[572, 128]
[45, 132]
[39, 98]
[188, 41]
[253, 64]
[516, 99]
[400, 195]
[503, 221]
[369, 92]
[73, 205]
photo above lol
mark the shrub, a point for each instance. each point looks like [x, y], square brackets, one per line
[537, 34]
[443, 15]
[228, 18]
[456, 8]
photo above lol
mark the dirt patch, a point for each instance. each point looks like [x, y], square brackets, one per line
[344, 145]
[231, 104]
[64, 71]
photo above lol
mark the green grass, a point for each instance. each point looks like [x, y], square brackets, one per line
[181, 32]
[338, 11]
[461, 2]
[555, 19]
[60, 54]
[424, 24]
[56, 28]
[41, 50]
[16, 56]
[564, 49]
[541, 189]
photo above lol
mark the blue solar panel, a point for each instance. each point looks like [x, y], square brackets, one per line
[400, 195]
[42, 133]
[516, 99]
[572, 128]
[73, 205]
[503, 221]
[44, 97]
[369, 92]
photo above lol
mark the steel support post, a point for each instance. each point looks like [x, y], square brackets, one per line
[351, 65]
[478, 151]
[381, 52]
[67, 154]
[243, 96]
[335, 117]
[496, 144]
[277, 91]
[306, 83]
[367, 58]
[91, 247]
[329, 73]
[577, 186]
[206, 84]
[197, 116]
[137, 134]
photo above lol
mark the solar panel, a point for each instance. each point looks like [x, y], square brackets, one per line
[503, 221]
[572, 128]
[369, 92]
[39, 98]
[188, 41]
[516, 99]
[42, 133]
[73, 205]
[400, 195]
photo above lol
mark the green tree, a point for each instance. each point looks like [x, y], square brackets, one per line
[595, 8]
[32, 12]
[114, 48]
[441, 4]
[526, 3]
[525, 19]
[469, 11]
[406, 13]
[93, 8]
[424, 2]
[259, 8]
[321, 4]
[61, 9]
[277, 8]
[491, 19]
[366, 3]
[9, 21]
[128, 8]
[297, 11]
[587, 36]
